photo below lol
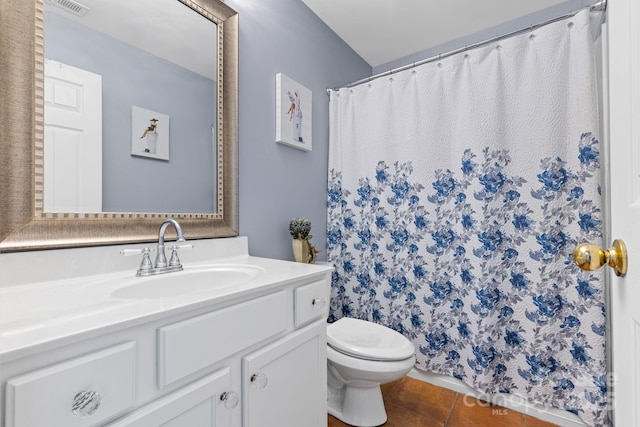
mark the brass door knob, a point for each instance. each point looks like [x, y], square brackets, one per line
[591, 257]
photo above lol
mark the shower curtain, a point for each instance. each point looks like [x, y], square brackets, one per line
[457, 191]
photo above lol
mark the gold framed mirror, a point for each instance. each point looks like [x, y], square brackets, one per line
[24, 222]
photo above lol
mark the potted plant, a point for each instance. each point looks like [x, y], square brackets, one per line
[303, 250]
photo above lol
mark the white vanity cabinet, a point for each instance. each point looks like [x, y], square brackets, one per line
[253, 360]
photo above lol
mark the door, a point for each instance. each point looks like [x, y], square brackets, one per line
[285, 383]
[624, 135]
[208, 402]
[72, 139]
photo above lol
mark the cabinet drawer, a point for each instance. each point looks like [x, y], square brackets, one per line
[311, 302]
[52, 396]
[188, 346]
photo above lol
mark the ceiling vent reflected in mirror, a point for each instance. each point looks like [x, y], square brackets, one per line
[70, 6]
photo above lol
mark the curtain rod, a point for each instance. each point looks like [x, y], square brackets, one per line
[596, 7]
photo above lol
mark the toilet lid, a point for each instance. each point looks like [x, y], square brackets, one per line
[368, 340]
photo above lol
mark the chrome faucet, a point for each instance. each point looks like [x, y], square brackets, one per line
[161, 259]
[161, 266]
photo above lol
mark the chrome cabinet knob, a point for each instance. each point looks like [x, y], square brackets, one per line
[591, 257]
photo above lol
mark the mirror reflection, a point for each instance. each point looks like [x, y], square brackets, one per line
[130, 107]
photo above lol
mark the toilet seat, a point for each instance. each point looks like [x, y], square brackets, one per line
[368, 340]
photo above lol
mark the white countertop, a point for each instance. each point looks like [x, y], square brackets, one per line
[63, 295]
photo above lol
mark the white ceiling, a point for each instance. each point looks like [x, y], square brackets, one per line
[164, 28]
[381, 31]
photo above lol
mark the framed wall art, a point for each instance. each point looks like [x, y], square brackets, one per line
[293, 113]
[149, 133]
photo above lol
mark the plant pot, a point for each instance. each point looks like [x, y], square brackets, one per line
[301, 250]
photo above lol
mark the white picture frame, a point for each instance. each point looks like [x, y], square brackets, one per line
[294, 122]
[149, 133]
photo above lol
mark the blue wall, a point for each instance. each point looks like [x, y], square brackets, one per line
[277, 182]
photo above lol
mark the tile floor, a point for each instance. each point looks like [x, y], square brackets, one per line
[413, 403]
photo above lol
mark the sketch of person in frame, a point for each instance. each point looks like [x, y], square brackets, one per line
[295, 115]
[150, 137]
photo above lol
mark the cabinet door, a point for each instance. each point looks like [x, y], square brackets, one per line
[208, 402]
[285, 383]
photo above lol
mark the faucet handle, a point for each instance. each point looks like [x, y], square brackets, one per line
[129, 252]
[175, 248]
[174, 261]
[145, 266]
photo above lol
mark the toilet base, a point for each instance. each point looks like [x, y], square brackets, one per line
[360, 405]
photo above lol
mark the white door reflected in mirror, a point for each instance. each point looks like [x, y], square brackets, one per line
[72, 139]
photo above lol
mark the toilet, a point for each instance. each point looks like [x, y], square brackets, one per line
[361, 356]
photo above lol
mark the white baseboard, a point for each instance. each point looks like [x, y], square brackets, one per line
[515, 403]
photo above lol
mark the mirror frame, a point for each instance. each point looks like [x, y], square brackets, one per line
[23, 224]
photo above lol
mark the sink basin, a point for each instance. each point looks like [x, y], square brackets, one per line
[188, 281]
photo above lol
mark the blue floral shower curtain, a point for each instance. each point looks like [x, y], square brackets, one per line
[457, 192]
